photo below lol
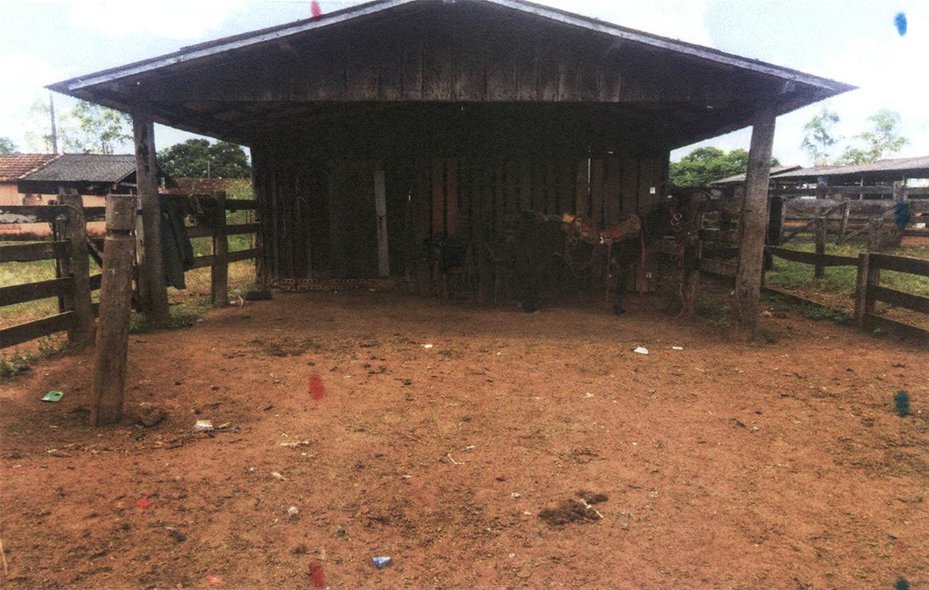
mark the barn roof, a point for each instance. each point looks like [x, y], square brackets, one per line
[87, 168]
[703, 91]
[15, 166]
[882, 170]
[740, 178]
[91, 174]
[892, 168]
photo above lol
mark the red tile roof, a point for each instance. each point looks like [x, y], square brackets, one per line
[15, 166]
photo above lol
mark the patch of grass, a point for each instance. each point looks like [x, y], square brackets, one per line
[718, 313]
[18, 273]
[820, 312]
[182, 315]
[841, 279]
[16, 363]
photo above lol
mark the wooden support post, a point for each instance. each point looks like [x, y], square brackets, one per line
[820, 270]
[776, 214]
[152, 291]
[380, 211]
[115, 306]
[867, 277]
[219, 272]
[78, 267]
[754, 217]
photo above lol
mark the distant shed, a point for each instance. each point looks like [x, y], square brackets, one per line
[881, 172]
[13, 167]
[88, 174]
[380, 127]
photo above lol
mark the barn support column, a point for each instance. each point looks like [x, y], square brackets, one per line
[153, 294]
[753, 223]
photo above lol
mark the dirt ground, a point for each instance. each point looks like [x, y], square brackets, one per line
[478, 448]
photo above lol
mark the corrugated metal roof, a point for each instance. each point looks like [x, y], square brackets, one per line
[15, 166]
[902, 165]
[740, 178]
[917, 167]
[101, 168]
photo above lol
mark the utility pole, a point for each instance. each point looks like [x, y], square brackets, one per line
[51, 110]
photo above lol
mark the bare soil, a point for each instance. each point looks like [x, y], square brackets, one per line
[369, 424]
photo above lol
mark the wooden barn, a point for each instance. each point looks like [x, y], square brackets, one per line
[377, 129]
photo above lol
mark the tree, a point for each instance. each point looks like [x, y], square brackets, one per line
[819, 137]
[706, 164]
[198, 158]
[883, 139]
[39, 135]
[6, 145]
[99, 129]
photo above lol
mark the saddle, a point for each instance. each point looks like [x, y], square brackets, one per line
[628, 226]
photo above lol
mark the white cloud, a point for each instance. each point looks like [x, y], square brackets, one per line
[28, 74]
[176, 19]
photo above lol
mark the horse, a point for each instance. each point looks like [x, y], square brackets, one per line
[537, 242]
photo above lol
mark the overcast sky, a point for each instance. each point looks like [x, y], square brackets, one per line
[854, 41]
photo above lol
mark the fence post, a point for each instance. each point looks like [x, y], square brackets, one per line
[819, 270]
[875, 234]
[219, 272]
[78, 266]
[843, 225]
[899, 191]
[115, 306]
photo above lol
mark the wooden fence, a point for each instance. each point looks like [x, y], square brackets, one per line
[843, 217]
[70, 248]
[868, 290]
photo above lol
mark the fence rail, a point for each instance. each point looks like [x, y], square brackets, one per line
[845, 219]
[868, 290]
[65, 287]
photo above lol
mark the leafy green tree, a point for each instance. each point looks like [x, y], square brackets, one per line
[198, 158]
[97, 130]
[6, 145]
[883, 139]
[706, 164]
[819, 136]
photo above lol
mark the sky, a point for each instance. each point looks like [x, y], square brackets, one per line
[853, 41]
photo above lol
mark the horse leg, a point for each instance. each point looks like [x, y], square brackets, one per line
[621, 284]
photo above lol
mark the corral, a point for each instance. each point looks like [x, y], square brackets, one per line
[725, 466]
[286, 443]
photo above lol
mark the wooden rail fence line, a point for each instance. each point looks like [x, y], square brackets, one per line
[74, 285]
[868, 290]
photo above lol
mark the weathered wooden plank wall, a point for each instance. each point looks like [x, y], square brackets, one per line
[315, 221]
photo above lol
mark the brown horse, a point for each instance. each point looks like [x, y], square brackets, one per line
[538, 242]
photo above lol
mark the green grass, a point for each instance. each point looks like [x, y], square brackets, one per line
[13, 363]
[840, 280]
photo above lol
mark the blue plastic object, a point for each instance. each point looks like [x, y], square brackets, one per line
[381, 561]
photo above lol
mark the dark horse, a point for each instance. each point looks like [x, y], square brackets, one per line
[537, 242]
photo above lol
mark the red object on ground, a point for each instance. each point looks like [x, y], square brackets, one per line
[317, 577]
[315, 10]
[143, 502]
[214, 581]
[317, 387]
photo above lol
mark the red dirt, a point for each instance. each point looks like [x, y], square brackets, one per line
[723, 465]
